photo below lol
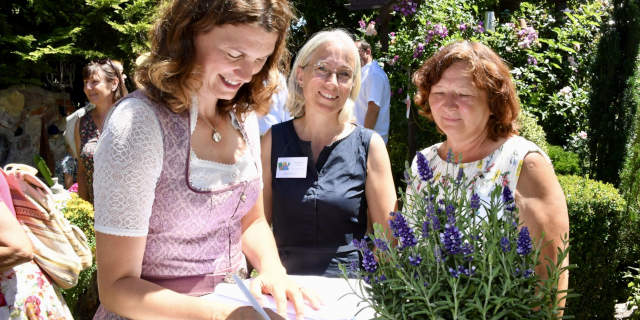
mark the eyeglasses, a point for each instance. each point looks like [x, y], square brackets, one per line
[322, 70]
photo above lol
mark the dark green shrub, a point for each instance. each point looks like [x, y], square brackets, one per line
[595, 211]
[629, 182]
[564, 162]
[529, 129]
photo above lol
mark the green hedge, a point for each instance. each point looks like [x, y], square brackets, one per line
[564, 162]
[529, 129]
[595, 211]
[629, 182]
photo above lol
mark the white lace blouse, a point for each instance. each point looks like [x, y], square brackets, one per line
[128, 163]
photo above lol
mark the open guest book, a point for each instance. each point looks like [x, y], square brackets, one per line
[340, 303]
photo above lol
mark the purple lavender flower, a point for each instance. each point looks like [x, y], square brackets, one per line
[423, 167]
[506, 195]
[402, 231]
[381, 244]
[450, 157]
[451, 239]
[505, 244]
[524, 242]
[425, 229]
[475, 201]
[437, 252]
[451, 217]
[467, 251]
[435, 221]
[460, 175]
[415, 260]
[466, 271]
[353, 266]
[360, 244]
[527, 273]
[369, 262]
[454, 273]
[381, 278]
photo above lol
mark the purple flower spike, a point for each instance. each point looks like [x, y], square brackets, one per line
[505, 244]
[402, 231]
[506, 195]
[524, 242]
[415, 260]
[424, 170]
[425, 229]
[369, 262]
[381, 244]
[475, 201]
[451, 239]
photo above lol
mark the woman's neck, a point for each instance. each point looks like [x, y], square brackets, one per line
[319, 129]
[471, 149]
[207, 107]
[100, 113]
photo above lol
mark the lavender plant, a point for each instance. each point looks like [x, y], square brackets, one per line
[455, 256]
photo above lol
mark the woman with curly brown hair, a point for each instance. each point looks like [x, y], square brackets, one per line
[178, 192]
[466, 89]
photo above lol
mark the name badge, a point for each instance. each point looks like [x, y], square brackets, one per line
[291, 167]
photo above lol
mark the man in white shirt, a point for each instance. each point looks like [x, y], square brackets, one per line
[277, 111]
[372, 105]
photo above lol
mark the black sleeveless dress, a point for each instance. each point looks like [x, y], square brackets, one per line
[316, 218]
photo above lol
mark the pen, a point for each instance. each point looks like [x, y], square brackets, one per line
[250, 297]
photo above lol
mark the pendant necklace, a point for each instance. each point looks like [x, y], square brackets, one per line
[215, 136]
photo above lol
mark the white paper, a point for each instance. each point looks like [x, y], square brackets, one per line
[339, 301]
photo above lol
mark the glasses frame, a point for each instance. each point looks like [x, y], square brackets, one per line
[320, 74]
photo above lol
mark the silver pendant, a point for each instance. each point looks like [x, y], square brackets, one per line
[216, 136]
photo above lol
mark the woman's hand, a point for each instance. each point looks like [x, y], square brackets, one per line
[282, 287]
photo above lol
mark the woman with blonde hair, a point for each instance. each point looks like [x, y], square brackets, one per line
[326, 180]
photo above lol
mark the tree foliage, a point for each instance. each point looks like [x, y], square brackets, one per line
[46, 42]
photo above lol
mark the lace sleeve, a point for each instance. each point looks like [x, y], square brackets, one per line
[128, 162]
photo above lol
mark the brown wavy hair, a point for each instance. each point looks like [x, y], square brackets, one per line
[112, 70]
[167, 73]
[489, 72]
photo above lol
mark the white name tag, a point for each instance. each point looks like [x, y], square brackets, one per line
[291, 167]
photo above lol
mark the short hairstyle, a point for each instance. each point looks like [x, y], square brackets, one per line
[112, 70]
[364, 45]
[489, 72]
[295, 100]
[167, 73]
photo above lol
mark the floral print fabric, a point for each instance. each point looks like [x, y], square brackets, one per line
[26, 293]
[89, 134]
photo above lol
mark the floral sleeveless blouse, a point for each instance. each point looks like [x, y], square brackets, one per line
[89, 134]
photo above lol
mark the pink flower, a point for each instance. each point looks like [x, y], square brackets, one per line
[362, 24]
[582, 135]
[371, 29]
[74, 188]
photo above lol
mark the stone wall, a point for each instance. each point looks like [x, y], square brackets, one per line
[27, 115]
